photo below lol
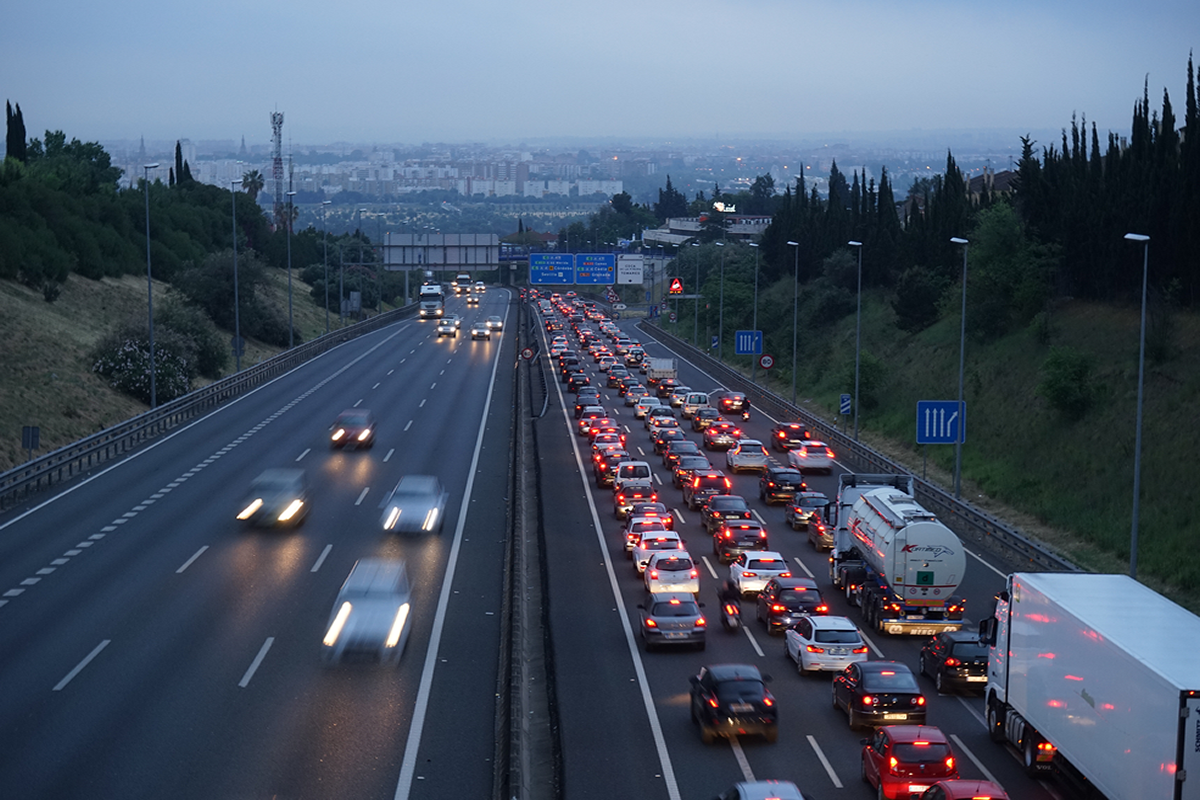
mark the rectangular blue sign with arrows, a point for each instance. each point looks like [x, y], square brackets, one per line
[941, 422]
[748, 343]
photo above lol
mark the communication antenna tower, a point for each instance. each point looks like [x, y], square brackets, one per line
[277, 164]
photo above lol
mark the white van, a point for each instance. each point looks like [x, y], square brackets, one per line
[631, 470]
[692, 402]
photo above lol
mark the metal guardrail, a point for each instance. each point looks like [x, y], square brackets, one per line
[965, 519]
[111, 443]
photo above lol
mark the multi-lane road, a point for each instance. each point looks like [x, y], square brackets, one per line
[151, 646]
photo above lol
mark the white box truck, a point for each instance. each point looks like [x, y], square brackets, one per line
[658, 369]
[1096, 678]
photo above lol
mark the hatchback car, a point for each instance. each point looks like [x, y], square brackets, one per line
[576, 381]
[654, 510]
[417, 504]
[630, 493]
[704, 485]
[803, 507]
[276, 497]
[824, 644]
[879, 693]
[904, 760]
[732, 700]
[788, 435]
[812, 456]
[748, 455]
[721, 436]
[736, 537]
[657, 422]
[604, 464]
[751, 571]
[354, 427]
[672, 571]
[779, 484]
[786, 600]
[664, 436]
[651, 543]
[678, 395]
[959, 789]
[586, 416]
[672, 619]
[635, 393]
[955, 660]
[615, 374]
[644, 404]
[660, 410]
[664, 387]
[722, 508]
[703, 417]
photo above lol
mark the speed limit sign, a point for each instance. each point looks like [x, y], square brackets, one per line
[527, 353]
[766, 361]
[673, 317]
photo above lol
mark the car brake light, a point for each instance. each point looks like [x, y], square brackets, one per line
[701, 622]
[867, 700]
[762, 534]
[950, 763]
[919, 700]
[653, 574]
[828, 452]
[952, 662]
[651, 623]
[728, 534]
[859, 650]
[768, 700]
[785, 574]
[694, 574]
[812, 648]
[777, 607]
[712, 701]
[748, 575]
[822, 609]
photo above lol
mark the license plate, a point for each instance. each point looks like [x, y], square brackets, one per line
[740, 708]
[837, 651]
[976, 678]
[895, 716]
[674, 635]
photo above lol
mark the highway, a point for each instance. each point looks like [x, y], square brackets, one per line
[152, 646]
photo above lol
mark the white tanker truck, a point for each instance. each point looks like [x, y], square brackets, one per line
[894, 559]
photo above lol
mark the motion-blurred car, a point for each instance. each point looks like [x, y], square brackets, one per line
[787, 435]
[902, 761]
[812, 456]
[416, 505]
[370, 616]
[823, 643]
[354, 427]
[955, 660]
[737, 537]
[780, 484]
[276, 497]
[785, 600]
[672, 618]
[959, 789]
[751, 571]
[721, 436]
[703, 417]
[732, 700]
[494, 323]
[671, 572]
[480, 331]
[748, 455]
[879, 693]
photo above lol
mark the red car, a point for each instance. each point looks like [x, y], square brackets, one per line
[964, 790]
[905, 760]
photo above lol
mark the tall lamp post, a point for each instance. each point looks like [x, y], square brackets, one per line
[754, 324]
[1137, 446]
[795, 309]
[150, 281]
[291, 322]
[857, 335]
[962, 353]
[325, 245]
[721, 307]
[237, 309]
[696, 302]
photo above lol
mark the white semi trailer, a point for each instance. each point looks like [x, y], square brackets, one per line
[1096, 678]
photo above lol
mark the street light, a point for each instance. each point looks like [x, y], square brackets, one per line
[857, 336]
[150, 281]
[696, 303]
[721, 307]
[795, 308]
[325, 245]
[754, 324]
[1137, 447]
[237, 316]
[962, 352]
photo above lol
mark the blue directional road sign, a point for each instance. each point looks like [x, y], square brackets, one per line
[940, 422]
[844, 406]
[715, 343]
[551, 268]
[596, 268]
[748, 343]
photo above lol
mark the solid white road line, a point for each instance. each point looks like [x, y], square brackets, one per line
[824, 762]
[79, 667]
[964, 749]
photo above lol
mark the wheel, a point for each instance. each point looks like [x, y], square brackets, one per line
[937, 681]
[835, 702]
[880, 793]
[921, 665]
[771, 734]
[862, 771]
[852, 719]
[800, 670]
[1029, 755]
[995, 729]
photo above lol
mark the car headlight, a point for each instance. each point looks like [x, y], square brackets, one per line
[362, 437]
[339, 622]
[392, 517]
[430, 520]
[250, 510]
[397, 626]
[339, 433]
[291, 511]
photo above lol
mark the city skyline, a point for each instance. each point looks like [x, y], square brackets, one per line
[466, 71]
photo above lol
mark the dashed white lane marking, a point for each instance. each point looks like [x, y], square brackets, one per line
[389, 455]
[361, 496]
[753, 641]
[740, 756]
[321, 558]
[824, 761]
[807, 571]
[307, 450]
[188, 563]
[58, 687]
[711, 571]
[964, 749]
[409, 425]
[258, 659]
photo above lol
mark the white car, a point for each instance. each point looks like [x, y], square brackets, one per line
[631, 470]
[369, 617]
[672, 571]
[812, 456]
[646, 405]
[651, 543]
[692, 403]
[495, 323]
[752, 569]
[820, 643]
[657, 424]
[635, 527]
[678, 395]
[455, 318]
[747, 454]
[604, 363]
[446, 327]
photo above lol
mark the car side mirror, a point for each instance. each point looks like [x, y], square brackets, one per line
[865, 741]
[694, 680]
[701, 605]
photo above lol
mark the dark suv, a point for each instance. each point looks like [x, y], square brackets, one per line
[738, 536]
[703, 485]
[780, 484]
[732, 700]
[783, 601]
[955, 659]
[787, 435]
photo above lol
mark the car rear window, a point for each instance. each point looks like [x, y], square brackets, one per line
[910, 753]
[798, 596]
[684, 608]
[766, 563]
[726, 502]
[890, 681]
[732, 691]
[836, 637]
[674, 564]
[969, 650]
[665, 544]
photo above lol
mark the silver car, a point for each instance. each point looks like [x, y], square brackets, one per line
[672, 619]
[369, 619]
[747, 454]
[417, 504]
[821, 643]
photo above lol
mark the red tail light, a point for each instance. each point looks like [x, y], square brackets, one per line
[812, 648]
[952, 662]
[777, 607]
[892, 764]
[828, 452]
[702, 622]
[768, 701]
[785, 574]
[653, 574]
[730, 608]
[822, 609]
[651, 623]
[694, 574]
[858, 650]
[867, 700]
[919, 700]
[950, 763]
[712, 701]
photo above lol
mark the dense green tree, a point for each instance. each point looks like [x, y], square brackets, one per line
[15, 133]
[671, 203]
[178, 161]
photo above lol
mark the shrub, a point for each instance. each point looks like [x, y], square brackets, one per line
[918, 293]
[123, 359]
[209, 352]
[1067, 382]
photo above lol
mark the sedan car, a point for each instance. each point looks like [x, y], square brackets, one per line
[672, 571]
[955, 660]
[370, 615]
[576, 381]
[417, 504]
[960, 789]
[354, 427]
[481, 331]
[824, 644]
[664, 387]
[586, 416]
[748, 455]
[812, 456]
[651, 543]
[803, 508]
[604, 463]
[788, 435]
[904, 760]
[732, 700]
[672, 619]
[643, 405]
[446, 327]
[779, 484]
[703, 417]
[721, 436]
[494, 323]
[786, 600]
[615, 374]
[722, 508]
[728, 402]
[751, 571]
[686, 468]
[879, 693]
[276, 497]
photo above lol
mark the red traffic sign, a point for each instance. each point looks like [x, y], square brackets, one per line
[673, 317]
[527, 353]
[676, 286]
[766, 361]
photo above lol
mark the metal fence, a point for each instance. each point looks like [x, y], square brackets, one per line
[86, 454]
[965, 519]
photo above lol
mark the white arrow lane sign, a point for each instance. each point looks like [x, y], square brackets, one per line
[939, 422]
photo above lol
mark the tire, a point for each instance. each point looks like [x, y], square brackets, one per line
[938, 682]
[880, 794]
[862, 771]
[921, 665]
[1029, 756]
[835, 702]
[852, 719]
[800, 670]
[995, 728]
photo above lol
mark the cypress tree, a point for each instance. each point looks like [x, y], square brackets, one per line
[15, 134]
[178, 162]
[170, 176]
[187, 174]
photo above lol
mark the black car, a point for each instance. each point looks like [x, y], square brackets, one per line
[686, 468]
[732, 700]
[783, 601]
[703, 417]
[703, 485]
[576, 381]
[728, 402]
[736, 537]
[677, 449]
[879, 693]
[955, 660]
[666, 435]
[632, 492]
[780, 484]
[787, 435]
[722, 508]
[604, 465]
[664, 387]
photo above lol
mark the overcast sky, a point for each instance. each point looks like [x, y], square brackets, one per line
[395, 71]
